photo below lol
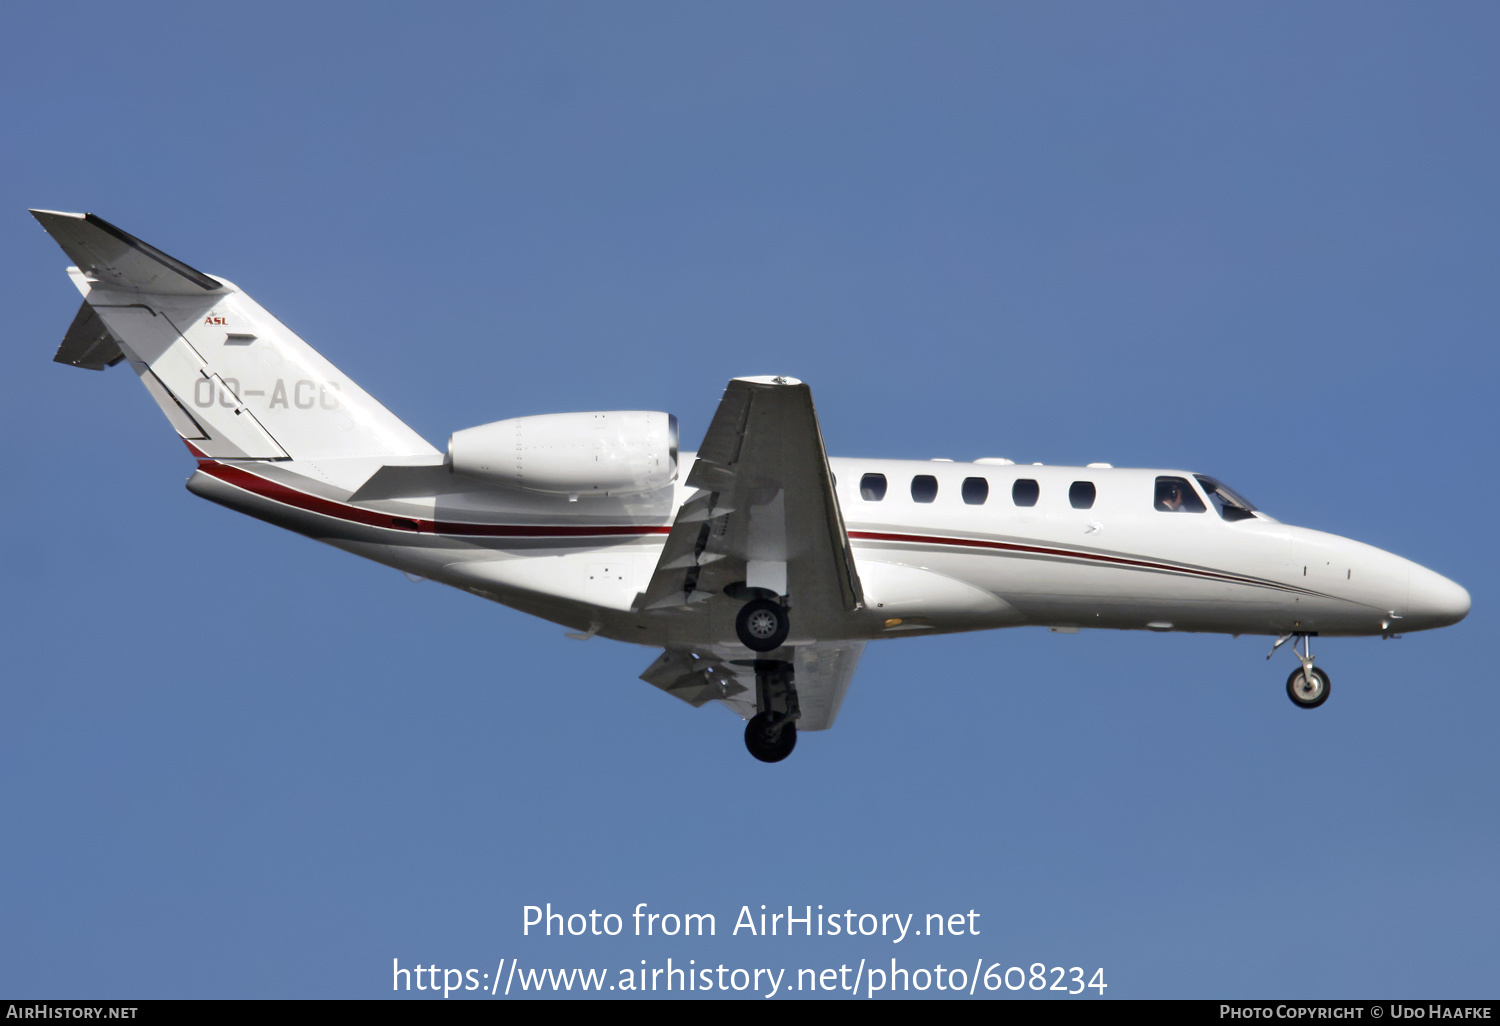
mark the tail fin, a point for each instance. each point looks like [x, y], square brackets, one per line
[234, 381]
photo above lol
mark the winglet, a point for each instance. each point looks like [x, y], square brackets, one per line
[116, 259]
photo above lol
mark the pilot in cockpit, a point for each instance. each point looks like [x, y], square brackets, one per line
[1169, 497]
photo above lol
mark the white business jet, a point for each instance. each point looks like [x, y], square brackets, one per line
[760, 566]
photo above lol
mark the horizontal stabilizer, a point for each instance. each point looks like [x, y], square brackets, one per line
[115, 259]
[88, 343]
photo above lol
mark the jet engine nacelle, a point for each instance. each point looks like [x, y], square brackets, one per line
[621, 453]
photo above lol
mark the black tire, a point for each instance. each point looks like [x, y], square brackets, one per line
[762, 625]
[1307, 695]
[763, 746]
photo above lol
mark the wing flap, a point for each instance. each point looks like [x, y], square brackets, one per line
[694, 678]
[823, 673]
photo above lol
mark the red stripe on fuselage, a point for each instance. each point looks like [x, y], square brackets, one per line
[266, 488]
[275, 490]
[1041, 550]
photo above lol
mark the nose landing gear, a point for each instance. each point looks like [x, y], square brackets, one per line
[1307, 687]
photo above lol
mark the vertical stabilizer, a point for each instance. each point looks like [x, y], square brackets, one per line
[233, 381]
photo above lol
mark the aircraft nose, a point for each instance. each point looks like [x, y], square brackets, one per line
[1435, 601]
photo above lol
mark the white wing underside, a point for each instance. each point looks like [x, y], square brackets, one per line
[823, 673]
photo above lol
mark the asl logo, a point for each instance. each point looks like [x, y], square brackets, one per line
[211, 319]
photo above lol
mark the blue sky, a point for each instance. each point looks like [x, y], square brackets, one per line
[1258, 242]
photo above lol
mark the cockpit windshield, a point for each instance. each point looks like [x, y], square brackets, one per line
[1230, 504]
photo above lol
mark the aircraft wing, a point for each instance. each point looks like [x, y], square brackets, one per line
[823, 674]
[765, 515]
[764, 522]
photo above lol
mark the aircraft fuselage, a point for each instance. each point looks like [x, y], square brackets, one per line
[949, 563]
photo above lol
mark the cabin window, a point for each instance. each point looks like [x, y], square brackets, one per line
[1025, 492]
[976, 490]
[923, 488]
[1229, 504]
[1175, 495]
[872, 487]
[1081, 494]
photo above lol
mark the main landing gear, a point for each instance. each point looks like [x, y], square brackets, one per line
[771, 733]
[762, 625]
[1308, 687]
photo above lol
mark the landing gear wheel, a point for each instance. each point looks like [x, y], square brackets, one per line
[762, 625]
[762, 745]
[1308, 692]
